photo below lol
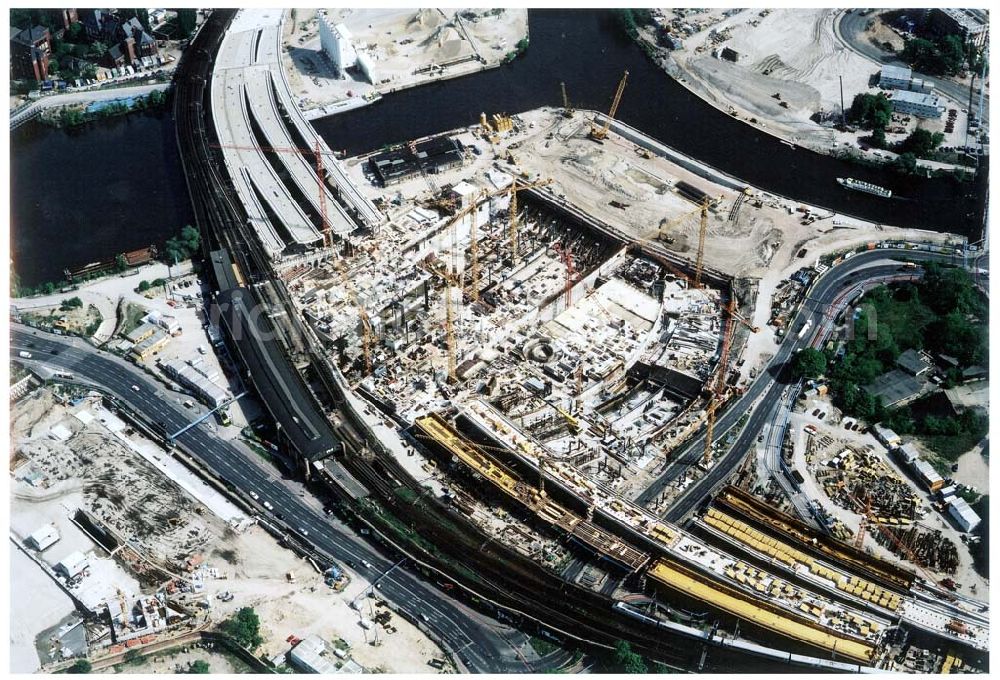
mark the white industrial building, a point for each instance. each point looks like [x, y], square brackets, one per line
[72, 565]
[43, 538]
[963, 515]
[901, 78]
[313, 655]
[917, 104]
[337, 43]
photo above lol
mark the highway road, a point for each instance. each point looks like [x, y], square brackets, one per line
[767, 388]
[849, 29]
[480, 643]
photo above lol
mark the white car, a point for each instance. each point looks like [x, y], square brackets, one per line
[253, 495]
[268, 505]
[135, 388]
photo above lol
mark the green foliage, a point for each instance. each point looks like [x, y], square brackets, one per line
[98, 49]
[629, 20]
[627, 660]
[945, 433]
[133, 657]
[922, 142]
[244, 628]
[143, 286]
[905, 321]
[941, 56]
[870, 111]
[186, 19]
[197, 667]
[981, 552]
[809, 363]
[80, 666]
[71, 303]
[907, 163]
[184, 246]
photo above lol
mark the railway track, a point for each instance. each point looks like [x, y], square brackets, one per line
[461, 550]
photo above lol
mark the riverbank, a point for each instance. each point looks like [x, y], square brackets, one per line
[75, 114]
[780, 71]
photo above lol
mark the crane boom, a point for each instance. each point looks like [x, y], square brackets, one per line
[599, 133]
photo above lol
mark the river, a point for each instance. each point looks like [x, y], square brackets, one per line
[584, 49]
[89, 193]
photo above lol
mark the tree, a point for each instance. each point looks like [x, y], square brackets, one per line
[922, 142]
[191, 238]
[80, 666]
[627, 660]
[809, 363]
[907, 163]
[244, 628]
[186, 20]
[870, 110]
[71, 303]
[198, 667]
[98, 49]
[133, 657]
[143, 286]
[175, 250]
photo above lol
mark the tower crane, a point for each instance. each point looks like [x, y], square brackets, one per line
[720, 383]
[600, 132]
[367, 332]
[317, 153]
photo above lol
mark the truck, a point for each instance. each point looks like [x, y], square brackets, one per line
[24, 355]
[805, 329]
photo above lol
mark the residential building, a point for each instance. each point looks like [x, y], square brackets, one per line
[29, 53]
[919, 104]
[127, 41]
[971, 24]
[964, 516]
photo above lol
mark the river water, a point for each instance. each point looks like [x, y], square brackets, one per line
[87, 194]
[84, 195]
[584, 49]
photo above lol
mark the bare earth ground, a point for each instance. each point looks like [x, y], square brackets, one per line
[795, 54]
[400, 43]
[94, 470]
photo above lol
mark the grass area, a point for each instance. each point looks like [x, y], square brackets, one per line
[542, 646]
[133, 317]
[951, 446]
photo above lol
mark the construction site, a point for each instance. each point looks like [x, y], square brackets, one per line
[560, 354]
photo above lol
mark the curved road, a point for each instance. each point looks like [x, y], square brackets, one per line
[849, 28]
[767, 388]
[481, 644]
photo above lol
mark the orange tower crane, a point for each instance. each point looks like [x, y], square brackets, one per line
[317, 153]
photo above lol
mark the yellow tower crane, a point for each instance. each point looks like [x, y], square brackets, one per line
[720, 383]
[600, 132]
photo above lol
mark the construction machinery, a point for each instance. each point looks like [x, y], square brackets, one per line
[719, 388]
[317, 153]
[599, 133]
[515, 186]
[568, 110]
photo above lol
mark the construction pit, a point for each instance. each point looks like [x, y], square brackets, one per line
[582, 323]
[185, 554]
